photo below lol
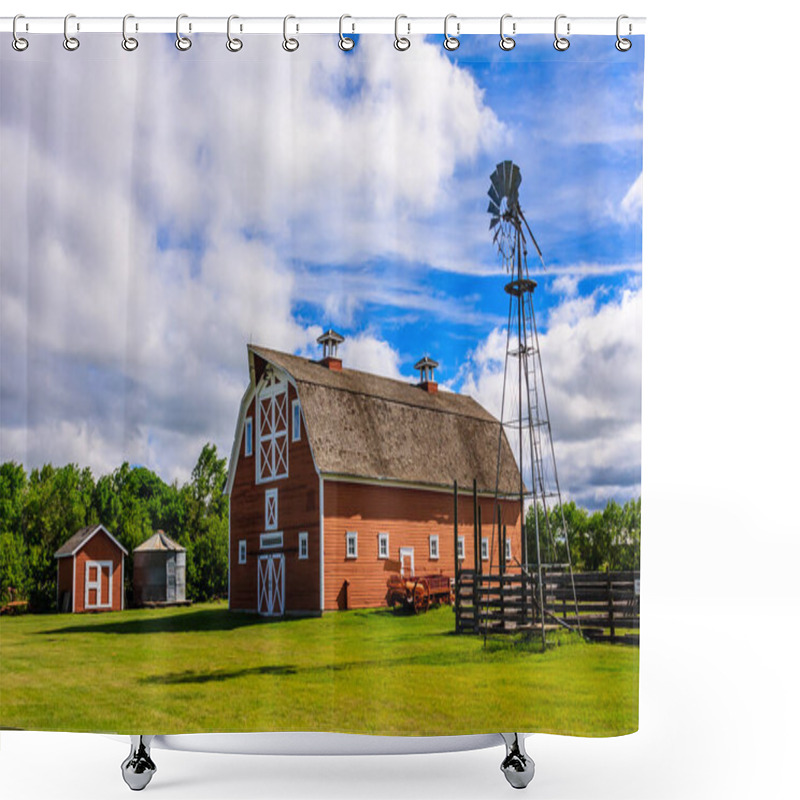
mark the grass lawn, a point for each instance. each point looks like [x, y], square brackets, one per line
[204, 669]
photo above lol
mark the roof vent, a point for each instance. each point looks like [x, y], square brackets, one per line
[330, 341]
[426, 366]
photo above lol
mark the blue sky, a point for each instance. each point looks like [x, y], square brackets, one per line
[178, 205]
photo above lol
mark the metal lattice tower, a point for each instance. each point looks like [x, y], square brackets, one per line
[525, 417]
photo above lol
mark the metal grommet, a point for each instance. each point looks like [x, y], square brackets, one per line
[561, 43]
[70, 42]
[345, 42]
[128, 42]
[289, 45]
[451, 42]
[181, 42]
[234, 45]
[17, 42]
[623, 45]
[506, 42]
[400, 42]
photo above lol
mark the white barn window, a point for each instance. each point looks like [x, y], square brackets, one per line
[352, 544]
[272, 411]
[269, 541]
[248, 436]
[383, 545]
[484, 548]
[242, 551]
[433, 545]
[508, 549]
[302, 545]
[271, 510]
[296, 420]
[461, 552]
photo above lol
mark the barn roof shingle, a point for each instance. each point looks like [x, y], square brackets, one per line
[366, 426]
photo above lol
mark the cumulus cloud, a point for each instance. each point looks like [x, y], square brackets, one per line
[157, 215]
[592, 364]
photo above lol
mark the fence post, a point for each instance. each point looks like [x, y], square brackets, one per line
[610, 606]
[455, 553]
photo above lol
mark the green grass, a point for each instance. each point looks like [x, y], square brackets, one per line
[204, 669]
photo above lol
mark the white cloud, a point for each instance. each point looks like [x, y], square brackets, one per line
[630, 208]
[592, 366]
[155, 214]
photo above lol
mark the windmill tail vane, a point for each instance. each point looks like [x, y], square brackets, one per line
[507, 218]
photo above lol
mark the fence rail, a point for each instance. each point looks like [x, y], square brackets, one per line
[605, 605]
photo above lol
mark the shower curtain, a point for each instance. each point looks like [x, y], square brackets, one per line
[320, 377]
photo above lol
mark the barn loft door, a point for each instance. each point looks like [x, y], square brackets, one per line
[407, 561]
[272, 585]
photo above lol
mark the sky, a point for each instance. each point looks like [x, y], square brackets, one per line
[161, 209]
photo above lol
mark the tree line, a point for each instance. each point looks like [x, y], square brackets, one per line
[41, 510]
[599, 540]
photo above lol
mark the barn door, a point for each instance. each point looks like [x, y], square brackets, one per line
[272, 584]
[406, 561]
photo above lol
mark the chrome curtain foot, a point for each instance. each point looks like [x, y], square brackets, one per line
[517, 766]
[138, 768]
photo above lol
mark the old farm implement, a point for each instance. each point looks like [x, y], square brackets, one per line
[417, 593]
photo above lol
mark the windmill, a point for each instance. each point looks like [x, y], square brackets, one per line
[524, 415]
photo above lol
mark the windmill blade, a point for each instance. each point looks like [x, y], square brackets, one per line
[506, 176]
[494, 195]
[516, 179]
[497, 182]
[494, 222]
[494, 209]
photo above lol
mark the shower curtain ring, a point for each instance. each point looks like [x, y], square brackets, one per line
[234, 45]
[401, 42]
[70, 42]
[181, 42]
[129, 43]
[18, 43]
[289, 45]
[561, 43]
[507, 42]
[623, 45]
[345, 42]
[451, 42]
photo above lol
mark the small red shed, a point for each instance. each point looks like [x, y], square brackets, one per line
[91, 572]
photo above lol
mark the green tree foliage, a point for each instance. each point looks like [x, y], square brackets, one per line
[608, 538]
[38, 513]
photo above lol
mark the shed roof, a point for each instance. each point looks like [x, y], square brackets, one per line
[80, 538]
[367, 426]
[158, 541]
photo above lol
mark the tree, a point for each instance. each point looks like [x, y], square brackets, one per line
[13, 483]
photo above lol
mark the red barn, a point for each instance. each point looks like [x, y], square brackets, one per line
[337, 474]
[91, 572]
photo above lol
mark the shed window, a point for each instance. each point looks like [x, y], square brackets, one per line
[296, 420]
[383, 545]
[302, 545]
[461, 548]
[433, 544]
[352, 544]
[508, 549]
[484, 548]
[242, 551]
[248, 436]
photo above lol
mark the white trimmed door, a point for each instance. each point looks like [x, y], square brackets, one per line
[272, 584]
[98, 584]
[407, 561]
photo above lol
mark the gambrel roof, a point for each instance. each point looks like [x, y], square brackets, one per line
[81, 538]
[366, 426]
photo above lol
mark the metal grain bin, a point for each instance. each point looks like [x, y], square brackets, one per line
[159, 571]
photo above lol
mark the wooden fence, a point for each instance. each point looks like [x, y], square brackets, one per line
[607, 603]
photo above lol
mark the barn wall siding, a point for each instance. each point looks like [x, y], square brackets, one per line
[64, 579]
[409, 516]
[298, 511]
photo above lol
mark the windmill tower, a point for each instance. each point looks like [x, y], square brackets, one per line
[525, 418]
